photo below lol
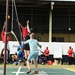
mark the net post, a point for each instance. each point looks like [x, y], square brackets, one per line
[5, 48]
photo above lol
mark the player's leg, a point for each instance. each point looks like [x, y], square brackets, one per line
[35, 63]
[28, 63]
[25, 53]
[26, 50]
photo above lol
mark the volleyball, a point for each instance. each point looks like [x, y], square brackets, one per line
[8, 16]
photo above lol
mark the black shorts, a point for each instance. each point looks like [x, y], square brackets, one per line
[26, 47]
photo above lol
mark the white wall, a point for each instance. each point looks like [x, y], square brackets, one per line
[13, 46]
[65, 46]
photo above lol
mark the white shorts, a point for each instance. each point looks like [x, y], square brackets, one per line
[3, 45]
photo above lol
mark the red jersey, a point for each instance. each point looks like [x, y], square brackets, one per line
[3, 37]
[70, 51]
[46, 51]
[24, 32]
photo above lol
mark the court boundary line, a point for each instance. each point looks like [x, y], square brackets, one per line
[40, 72]
[17, 73]
[70, 69]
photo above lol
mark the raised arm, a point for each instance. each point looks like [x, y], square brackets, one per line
[7, 32]
[28, 28]
[4, 26]
[19, 24]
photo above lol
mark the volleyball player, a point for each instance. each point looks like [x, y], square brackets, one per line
[4, 40]
[33, 43]
[25, 34]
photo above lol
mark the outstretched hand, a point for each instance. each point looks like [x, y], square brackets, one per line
[27, 22]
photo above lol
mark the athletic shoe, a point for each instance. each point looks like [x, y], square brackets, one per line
[35, 72]
[28, 71]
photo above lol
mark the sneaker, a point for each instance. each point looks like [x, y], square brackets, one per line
[35, 72]
[28, 71]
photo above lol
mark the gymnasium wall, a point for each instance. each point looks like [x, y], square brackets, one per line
[64, 46]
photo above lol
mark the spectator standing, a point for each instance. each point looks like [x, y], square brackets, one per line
[70, 53]
[3, 33]
[4, 40]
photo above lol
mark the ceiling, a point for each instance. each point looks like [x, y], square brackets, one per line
[36, 3]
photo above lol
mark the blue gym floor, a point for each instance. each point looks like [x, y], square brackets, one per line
[42, 71]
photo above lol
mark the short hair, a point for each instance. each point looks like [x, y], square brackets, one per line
[31, 30]
[33, 35]
[70, 47]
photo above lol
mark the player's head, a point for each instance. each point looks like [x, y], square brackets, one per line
[32, 35]
[27, 22]
[70, 47]
[46, 47]
[31, 30]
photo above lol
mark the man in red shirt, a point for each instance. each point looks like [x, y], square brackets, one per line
[3, 33]
[25, 35]
[70, 53]
[25, 30]
[46, 52]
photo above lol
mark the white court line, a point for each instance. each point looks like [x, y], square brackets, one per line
[70, 69]
[40, 72]
[17, 72]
